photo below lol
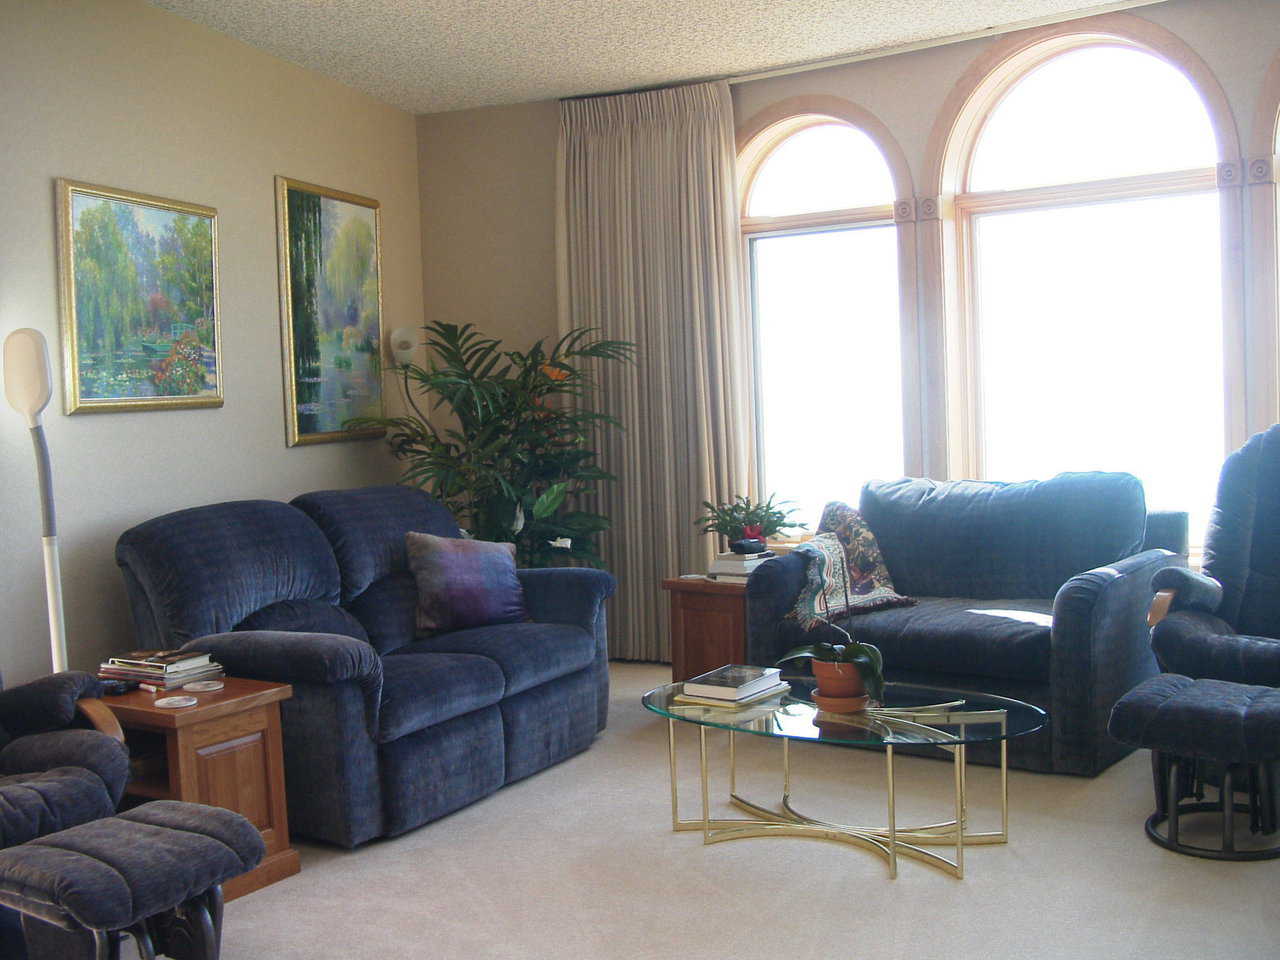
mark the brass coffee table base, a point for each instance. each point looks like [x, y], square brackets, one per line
[889, 842]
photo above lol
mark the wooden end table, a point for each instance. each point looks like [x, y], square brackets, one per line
[708, 624]
[225, 751]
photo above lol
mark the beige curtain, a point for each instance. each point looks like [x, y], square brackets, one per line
[649, 251]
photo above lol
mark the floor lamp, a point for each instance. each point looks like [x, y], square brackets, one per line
[28, 387]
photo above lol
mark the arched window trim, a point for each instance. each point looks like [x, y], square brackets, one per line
[1262, 291]
[950, 354]
[756, 139]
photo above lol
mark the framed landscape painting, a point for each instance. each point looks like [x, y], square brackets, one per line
[139, 287]
[331, 311]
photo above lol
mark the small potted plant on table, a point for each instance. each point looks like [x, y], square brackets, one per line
[850, 673]
[742, 520]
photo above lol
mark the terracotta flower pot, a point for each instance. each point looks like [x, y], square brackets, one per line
[840, 687]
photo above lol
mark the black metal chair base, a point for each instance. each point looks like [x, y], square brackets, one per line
[1210, 853]
[1177, 777]
[190, 931]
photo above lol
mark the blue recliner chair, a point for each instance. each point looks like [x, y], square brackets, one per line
[1224, 623]
[386, 729]
[52, 774]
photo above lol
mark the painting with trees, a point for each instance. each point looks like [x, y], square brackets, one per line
[331, 306]
[140, 304]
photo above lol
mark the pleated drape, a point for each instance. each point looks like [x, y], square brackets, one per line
[649, 251]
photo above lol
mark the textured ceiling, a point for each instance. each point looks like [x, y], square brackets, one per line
[427, 56]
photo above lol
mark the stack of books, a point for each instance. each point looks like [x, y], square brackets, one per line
[737, 566]
[733, 685]
[160, 669]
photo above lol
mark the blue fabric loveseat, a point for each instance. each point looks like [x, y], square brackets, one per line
[1035, 590]
[386, 730]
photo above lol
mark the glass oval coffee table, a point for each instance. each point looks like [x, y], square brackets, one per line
[912, 716]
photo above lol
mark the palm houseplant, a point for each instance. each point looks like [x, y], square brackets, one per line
[850, 674]
[509, 447]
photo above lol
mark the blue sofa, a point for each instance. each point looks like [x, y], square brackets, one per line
[386, 730]
[1035, 590]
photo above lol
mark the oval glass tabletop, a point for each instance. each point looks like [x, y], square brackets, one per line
[910, 715]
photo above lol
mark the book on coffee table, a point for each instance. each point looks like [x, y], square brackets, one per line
[732, 682]
[767, 693]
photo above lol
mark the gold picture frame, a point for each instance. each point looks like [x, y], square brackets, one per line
[138, 290]
[330, 255]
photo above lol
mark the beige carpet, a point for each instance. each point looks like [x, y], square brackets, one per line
[580, 862]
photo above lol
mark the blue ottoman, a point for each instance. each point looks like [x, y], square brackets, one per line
[154, 872]
[1206, 732]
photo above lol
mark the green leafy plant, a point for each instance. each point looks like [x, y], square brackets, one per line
[865, 657]
[511, 452]
[741, 518]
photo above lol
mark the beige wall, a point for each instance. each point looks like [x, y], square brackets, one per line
[487, 181]
[119, 93]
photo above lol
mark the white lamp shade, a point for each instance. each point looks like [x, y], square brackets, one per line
[27, 383]
[403, 342]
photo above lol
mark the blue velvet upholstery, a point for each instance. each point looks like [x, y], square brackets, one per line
[385, 731]
[529, 654]
[114, 872]
[999, 638]
[1074, 637]
[1207, 719]
[366, 529]
[989, 541]
[1225, 623]
[176, 568]
[440, 769]
[422, 689]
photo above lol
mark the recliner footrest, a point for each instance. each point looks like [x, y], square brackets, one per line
[155, 871]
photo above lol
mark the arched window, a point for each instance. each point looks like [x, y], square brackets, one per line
[1090, 277]
[818, 224]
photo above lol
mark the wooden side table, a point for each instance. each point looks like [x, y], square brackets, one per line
[224, 751]
[708, 624]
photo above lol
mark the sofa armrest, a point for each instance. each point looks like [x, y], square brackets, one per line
[1099, 650]
[1201, 645]
[1178, 588]
[772, 590]
[281, 656]
[330, 724]
[573, 595]
[88, 749]
[45, 704]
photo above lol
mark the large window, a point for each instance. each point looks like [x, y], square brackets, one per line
[1091, 284]
[823, 252]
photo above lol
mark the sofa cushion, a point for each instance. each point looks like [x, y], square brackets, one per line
[36, 804]
[204, 570]
[1008, 639]
[388, 611]
[966, 538]
[420, 689]
[528, 653]
[366, 529]
[305, 616]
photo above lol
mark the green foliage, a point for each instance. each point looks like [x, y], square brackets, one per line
[729, 519]
[109, 301]
[185, 267]
[866, 657]
[350, 276]
[518, 458]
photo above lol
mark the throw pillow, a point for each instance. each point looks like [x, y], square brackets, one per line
[464, 583]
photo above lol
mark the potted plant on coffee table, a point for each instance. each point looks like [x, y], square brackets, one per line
[850, 673]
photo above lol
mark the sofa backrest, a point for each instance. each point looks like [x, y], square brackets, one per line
[1242, 546]
[241, 565]
[366, 528]
[992, 541]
